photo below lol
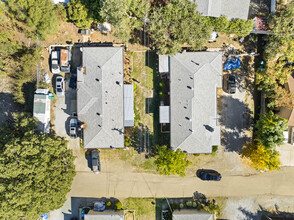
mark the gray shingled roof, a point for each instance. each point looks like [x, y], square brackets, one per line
[231, 8]
[192, 216]
[104, 217]
[129, 114]
[100, 97]
[194, 78]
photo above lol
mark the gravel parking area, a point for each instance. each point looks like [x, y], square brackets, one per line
[236, 114]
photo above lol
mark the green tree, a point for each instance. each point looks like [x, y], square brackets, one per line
[171, 162]
[39, 15]
[36, 170]
[219, 24]
[270, 129]
[240, 27]
[237, 26]
[8, 48]
[78, 14]
[177, 24]
[282, 26]
[261, 158]
[125, 15]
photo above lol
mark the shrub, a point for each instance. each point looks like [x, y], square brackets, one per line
[189, 203]
[181, 205]
[128, 141]
[214, 150]
[108, 204]
[174, 206]
[194, 204]
[118, 206]
[161, 84]
[199, 207]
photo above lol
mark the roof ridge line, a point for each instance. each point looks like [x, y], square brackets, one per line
[219, 54]
[110, 58]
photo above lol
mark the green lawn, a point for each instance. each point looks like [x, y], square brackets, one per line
[144, 207]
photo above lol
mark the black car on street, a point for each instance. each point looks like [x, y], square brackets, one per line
[209, 175]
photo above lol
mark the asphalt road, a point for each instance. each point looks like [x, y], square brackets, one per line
[87, 184]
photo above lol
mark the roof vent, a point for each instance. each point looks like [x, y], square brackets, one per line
[189, 119]
[98, 113]
[97, 80]
[189, 87]
[99, 66]
[191, 130]
[99, 125]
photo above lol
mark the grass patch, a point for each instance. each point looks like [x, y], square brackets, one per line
[144, 207]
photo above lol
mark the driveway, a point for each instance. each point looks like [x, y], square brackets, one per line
[236, 115]
[64, 107]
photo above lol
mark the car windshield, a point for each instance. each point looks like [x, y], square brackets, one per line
[54, 66]
[59, 90]
[73, 124]
[58, 79]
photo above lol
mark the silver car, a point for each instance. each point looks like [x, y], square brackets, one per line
[59, 86]
[96, 161]
[73, 128]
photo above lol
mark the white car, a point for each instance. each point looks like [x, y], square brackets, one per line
[55, 68]
[73, 128]
[59, 86]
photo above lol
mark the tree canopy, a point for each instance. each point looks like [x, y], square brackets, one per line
[239, 27]
[282, 25]
[125, 15]
[270, 129]
[171, 162]
[278, 50]
[36, 170]
[84, 12]
[261, 158]
[176, 24]
[39, 15]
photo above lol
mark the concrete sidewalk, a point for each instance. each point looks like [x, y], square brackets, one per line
[286, 154]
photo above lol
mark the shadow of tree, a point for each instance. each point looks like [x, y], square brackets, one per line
[236, 119]
[7, 107]
[263, 214]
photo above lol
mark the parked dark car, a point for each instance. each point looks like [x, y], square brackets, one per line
[95, 161]
[208, 175]
[232, 84]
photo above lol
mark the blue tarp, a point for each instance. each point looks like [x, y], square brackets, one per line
[232, 63]
[44, 216]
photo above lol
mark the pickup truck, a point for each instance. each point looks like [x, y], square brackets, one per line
[65, 59]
